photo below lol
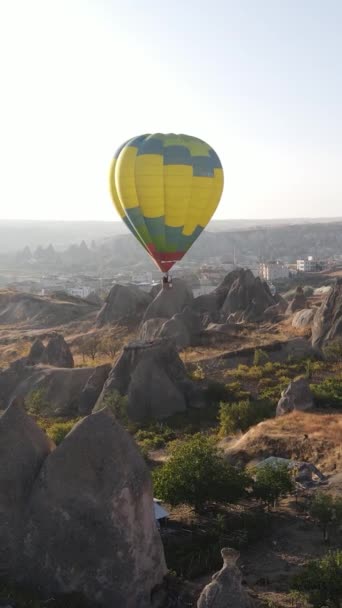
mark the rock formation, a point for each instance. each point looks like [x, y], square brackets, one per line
[297, 396]
[59, 389]
[90, 520]
[226, 589]
[123, 303]
[303, 318]
[78, 518]
[23, 449]
[240, 294]
[184, 328]
[37, 312]
[93, 388]
[56, 353]
[169, 302]
[299, 302]
[327, 324]
[37, 353]
[154, 379]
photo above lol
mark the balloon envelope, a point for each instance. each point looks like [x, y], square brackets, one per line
[166, 189]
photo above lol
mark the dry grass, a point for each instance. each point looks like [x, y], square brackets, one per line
[314, 437]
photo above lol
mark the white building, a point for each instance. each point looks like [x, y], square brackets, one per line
[306, 265]
[271, 271]
[78, 292]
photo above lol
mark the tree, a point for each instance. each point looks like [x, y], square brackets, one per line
[241, 415]
[90, 347]
[321, 579]
[196, 473]
[109, 346]
[326, 509]
[272, 482]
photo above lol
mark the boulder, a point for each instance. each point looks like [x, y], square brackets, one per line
[183, 329]
[23, 449]
[297, 396]
[154, 379]
[37, 353]
[303, 318]
[123, 303]
[298, 303]
[226, 589]
[169, 302]
[90, 525]
[327, 323]
[58, 352]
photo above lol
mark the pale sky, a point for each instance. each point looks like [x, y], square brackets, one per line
[259, 80]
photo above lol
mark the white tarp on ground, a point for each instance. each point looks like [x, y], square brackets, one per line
[159, 511]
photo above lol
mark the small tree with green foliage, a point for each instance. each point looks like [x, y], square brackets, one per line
[36, 402]
[240, 416]
[272, 482]
[118, 405]
[260, 357]
[196, 474]
[321, 579]
[326, 510]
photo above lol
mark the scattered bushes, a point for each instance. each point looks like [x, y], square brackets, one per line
[321, 579]
[196, 474]
[328, 393]
[333, 351]
[241, 415]
[260, 357]
[272, 482]
[36, 402]
[326, 510]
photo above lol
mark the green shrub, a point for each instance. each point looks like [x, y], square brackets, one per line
[36, 402]
[272, 482]
[328, 393]
[154, 438]
[333, 350]
[118, 405]
[260, 357]
[241, 415]
[197, 373]
[321, 579]
[326, 509]
[196, 473]
[59, 430]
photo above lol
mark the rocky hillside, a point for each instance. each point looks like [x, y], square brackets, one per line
[32, 311]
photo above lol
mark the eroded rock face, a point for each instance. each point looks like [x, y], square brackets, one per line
[303, 318]
[60, 389]
[183, 329]
[299, 302]
[56, 352]
[90, 524]
[124, 302]
[327, 324]
[154, 379]
[297, 396]
[23, 449]
[169, 302]
[226, 589]
[93, 388]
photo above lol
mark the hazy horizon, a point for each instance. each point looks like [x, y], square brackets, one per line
[260, 81]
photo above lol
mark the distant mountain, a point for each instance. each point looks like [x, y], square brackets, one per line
[15, 235]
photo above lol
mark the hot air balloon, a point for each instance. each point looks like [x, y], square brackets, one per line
[166, 188]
